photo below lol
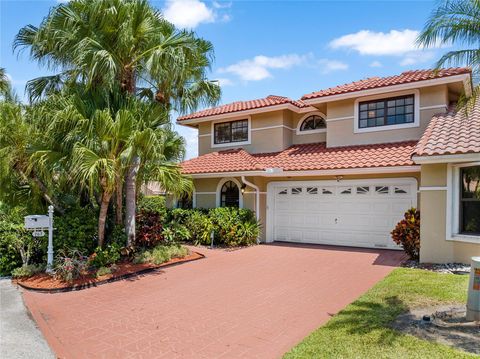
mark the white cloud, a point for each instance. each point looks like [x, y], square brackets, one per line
[191, 13]
[328, 66]
[417, 57]
[376, 64]
[368, 42]
[223, 81]
[188, 13]
[259, 67]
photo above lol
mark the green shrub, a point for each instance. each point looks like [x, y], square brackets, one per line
[105, 256]
[28, 270]
[231, 226]
[161, 254]
[17, 245]
[154, 204]
[69, 264]
[175, 232]
[103, 271]
[77, 229]
[407, 233]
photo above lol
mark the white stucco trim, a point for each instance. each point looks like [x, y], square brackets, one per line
[219, 188]
[416, 111]
[205, 135]
[432, 188]
[270, 127]
[465, 78]
[339, 118]
[304, 117]
[453, 205]
[231, 144]
[281, 173]
[446, 158]
[442, 106]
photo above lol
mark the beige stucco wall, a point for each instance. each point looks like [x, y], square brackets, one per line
[341, 132]
[210, 185]
[433, 208]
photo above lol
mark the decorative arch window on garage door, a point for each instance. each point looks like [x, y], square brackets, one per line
[230, 195]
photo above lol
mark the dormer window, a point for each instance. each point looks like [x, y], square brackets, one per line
[231, 132]
[387, 112]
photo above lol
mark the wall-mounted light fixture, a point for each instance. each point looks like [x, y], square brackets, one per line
[243, 188]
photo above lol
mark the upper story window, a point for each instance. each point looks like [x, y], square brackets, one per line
[228, 132]
[387, 112]
[313, 122]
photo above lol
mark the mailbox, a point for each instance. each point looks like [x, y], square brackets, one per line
[36, 221]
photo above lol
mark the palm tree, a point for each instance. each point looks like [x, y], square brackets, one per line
[455, 22]
[125, 46]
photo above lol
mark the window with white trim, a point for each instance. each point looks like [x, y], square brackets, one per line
[386, 112]
[230, 132]
[314, 122]
[469, 198]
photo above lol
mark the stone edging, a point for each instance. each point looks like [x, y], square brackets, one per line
[109, 280]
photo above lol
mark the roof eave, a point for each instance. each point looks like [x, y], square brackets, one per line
[231, 115]
[446, 158]
[464, 78]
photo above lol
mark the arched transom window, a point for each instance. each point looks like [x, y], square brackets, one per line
[229, 195]
[313, 122]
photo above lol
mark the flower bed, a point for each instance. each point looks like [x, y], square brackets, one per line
[43, 282]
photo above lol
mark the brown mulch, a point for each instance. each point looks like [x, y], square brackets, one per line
[48, 283]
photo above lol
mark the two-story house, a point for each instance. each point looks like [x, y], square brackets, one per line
[342, 165]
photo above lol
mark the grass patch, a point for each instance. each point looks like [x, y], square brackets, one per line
[362, 330]
[161, 254]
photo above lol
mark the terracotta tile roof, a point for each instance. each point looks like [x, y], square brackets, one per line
[304, 157]
[271, 100]
[451, 133]
[376, 82]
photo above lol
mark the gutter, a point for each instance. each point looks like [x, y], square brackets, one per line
[257, 200]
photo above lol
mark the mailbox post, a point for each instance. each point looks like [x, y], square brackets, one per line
[38, 224]
[50, 240]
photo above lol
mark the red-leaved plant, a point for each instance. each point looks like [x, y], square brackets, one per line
[149, 229]
[407, 233]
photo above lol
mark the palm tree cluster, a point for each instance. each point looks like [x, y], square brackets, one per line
[100, 126]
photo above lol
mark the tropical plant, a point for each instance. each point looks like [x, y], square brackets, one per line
[407, 233]
[124, 46]
[456, 22]
[103, 257]
[150, 230]
[69, 264]
[28, 270]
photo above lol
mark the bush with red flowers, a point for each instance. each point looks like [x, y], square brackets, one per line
[407, 233]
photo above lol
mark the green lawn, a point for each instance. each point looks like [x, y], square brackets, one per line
[361, 329]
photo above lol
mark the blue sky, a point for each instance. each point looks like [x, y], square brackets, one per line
[284, 48]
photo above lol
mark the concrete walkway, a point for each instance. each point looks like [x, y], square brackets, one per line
[19, 336]
[256, 302]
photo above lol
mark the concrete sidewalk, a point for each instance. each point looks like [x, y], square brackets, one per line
[19, 335]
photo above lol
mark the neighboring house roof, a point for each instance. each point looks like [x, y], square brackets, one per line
[454, 132]
[376, 82]
[271, 100]
[304, 157]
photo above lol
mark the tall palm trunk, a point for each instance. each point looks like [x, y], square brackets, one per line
[102, 217]
[131, 199]
[119, 202]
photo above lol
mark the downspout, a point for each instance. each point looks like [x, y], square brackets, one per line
[257, 200]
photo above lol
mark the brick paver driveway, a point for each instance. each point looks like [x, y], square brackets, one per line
[254, 302]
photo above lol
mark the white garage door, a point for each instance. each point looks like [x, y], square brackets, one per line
[347, 213]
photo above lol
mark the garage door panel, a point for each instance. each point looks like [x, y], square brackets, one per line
[354, 214]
